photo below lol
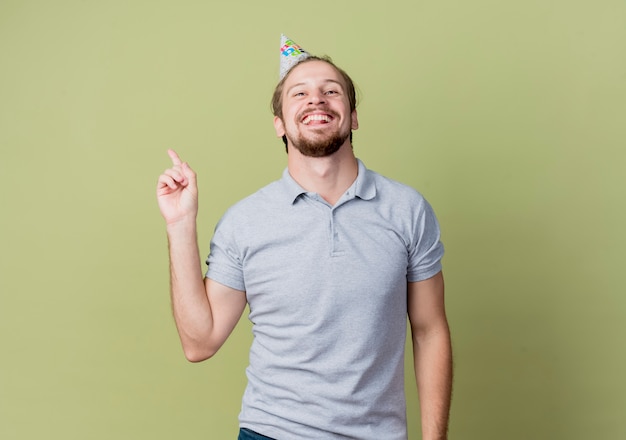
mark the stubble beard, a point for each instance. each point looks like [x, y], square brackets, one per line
[319, 145]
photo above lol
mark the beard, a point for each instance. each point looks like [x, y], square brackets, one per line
[322, 144]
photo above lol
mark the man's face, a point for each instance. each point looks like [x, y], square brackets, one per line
[316, 111]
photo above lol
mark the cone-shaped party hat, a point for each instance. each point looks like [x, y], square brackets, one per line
[290, 55]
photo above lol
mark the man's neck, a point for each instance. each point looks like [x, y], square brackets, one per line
[329, 176]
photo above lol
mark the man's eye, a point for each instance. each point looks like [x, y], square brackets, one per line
[331, 92]
[298, 94]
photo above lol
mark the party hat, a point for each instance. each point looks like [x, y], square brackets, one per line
[290, 55]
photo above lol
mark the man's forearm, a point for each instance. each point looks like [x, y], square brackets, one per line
[190, 304]
[433, 372]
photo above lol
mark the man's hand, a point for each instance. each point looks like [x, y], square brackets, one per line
[177, 192]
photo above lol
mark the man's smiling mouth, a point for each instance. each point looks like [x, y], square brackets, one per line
[319, 118]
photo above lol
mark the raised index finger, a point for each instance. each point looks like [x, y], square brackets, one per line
[174, 156]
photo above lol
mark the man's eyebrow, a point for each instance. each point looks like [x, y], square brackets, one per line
[329, 80]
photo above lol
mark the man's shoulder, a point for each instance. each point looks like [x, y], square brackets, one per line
[394, 191]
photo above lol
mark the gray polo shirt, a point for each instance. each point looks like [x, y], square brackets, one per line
[327, 287]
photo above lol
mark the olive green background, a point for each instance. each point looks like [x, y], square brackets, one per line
[509, 116]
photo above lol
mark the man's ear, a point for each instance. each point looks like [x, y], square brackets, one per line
[279, 127]
[355, 120]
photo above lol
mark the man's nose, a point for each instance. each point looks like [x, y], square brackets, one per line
[317, 98]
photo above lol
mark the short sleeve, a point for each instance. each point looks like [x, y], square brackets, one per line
[224, 260]
[426, 249]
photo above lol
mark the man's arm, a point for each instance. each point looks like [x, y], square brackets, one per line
[432, 354]
[205, 311]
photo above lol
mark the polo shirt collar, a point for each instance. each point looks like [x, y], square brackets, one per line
[364, 187]
[291, 187]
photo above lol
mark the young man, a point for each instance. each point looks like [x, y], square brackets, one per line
[331, 259]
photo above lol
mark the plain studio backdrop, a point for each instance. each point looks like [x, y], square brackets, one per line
[508, 116]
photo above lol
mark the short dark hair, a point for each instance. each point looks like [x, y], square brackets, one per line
[277, 97]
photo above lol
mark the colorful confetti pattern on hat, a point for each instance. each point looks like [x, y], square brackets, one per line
[290, 54]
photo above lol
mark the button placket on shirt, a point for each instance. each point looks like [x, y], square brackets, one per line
[334, 229]
[337, 248]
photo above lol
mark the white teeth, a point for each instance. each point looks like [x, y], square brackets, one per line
[310, 118]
